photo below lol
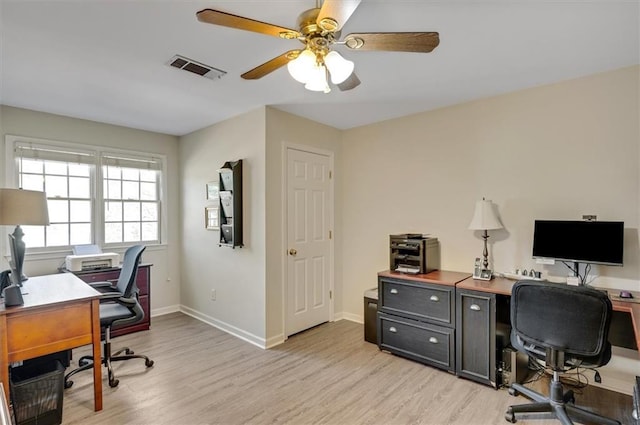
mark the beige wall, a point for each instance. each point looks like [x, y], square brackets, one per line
[286, 129]
[553, 152]
[556, 151]
[237, 275]
[165, 281]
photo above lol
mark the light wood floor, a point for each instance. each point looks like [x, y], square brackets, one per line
[326, 375]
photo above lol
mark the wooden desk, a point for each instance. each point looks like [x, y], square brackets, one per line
[60, 312]
[502, 286]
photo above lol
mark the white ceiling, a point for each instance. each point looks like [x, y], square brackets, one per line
[105, 60]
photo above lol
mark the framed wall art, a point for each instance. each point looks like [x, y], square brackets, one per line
[211, 218]
[213, 191]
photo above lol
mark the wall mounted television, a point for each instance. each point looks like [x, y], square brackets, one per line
[592, 242]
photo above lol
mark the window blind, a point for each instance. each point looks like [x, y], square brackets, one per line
[131, 161]
[53, 153]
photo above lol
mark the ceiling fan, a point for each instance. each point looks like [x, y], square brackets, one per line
[319, 29]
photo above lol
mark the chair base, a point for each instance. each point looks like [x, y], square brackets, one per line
[559, 404]
[86, 363]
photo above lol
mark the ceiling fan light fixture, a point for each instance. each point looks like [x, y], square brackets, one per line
[339, 67]
[301, 67]
[317, 80]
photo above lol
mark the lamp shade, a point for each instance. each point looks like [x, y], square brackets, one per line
[485, 217]
[318, 80]
[301, 67]
[25, 207]
[339, 67]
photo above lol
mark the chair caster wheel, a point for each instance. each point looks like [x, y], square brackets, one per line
[510, 416]
[114, 383]
[148, 363]
[83, 362]
[513, 392]
[68, 384]
[128, 351]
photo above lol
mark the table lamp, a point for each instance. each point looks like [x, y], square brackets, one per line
[27, 207]
[485, 218]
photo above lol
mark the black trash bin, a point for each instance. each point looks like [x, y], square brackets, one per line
[36, 393]
[370, 313]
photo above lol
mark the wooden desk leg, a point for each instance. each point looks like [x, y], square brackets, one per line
[97, 363]
[4, 355]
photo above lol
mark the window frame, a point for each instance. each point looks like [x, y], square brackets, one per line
[101, 198]
[97, 179]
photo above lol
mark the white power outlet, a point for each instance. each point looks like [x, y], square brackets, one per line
[213, 295]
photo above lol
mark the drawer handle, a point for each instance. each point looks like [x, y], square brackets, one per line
[434, 298]
[433, 340]
[393, 291]
[475, 307]
[393, 329]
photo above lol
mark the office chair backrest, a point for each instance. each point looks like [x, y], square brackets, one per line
[571, 319]
[127, 279]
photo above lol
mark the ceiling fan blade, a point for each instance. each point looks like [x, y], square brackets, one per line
[394, 41]
[350, 83]
[224, 19]
[334, 13]
[271, 65]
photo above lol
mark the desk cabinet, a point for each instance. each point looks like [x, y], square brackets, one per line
[143, 281]
[476, 340]
[416, 316]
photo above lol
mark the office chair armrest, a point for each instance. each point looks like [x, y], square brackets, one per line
[127, 302]
[117, 297]
[110, 296]
[101, 286]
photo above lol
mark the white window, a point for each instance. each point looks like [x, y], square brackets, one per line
[94, 196]
[131, 194]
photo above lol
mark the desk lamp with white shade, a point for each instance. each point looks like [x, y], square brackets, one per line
[485, 218]
[21, 207]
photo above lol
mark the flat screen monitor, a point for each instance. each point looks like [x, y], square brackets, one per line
[594, 242]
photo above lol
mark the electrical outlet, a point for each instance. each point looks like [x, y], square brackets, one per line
[213, 295]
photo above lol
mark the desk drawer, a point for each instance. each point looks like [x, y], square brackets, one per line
[418, 301]
[48, 330]
[419, 341]
[109, 276]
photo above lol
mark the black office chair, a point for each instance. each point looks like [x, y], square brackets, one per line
[119, 306]
[566, 327]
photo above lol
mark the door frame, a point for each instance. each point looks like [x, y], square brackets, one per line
[286, 146]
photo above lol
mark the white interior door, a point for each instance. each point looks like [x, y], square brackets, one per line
[309, 246]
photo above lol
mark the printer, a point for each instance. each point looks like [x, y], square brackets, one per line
[103, 260]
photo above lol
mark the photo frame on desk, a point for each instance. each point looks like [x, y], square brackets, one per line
[211, 218]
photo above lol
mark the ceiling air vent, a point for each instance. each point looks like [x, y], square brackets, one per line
[196, 67]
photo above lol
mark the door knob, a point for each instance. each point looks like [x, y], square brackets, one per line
[292, 251]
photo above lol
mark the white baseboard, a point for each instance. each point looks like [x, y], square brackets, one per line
[350, 317]
[226, 327]
[275, 340]
[165, 310]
